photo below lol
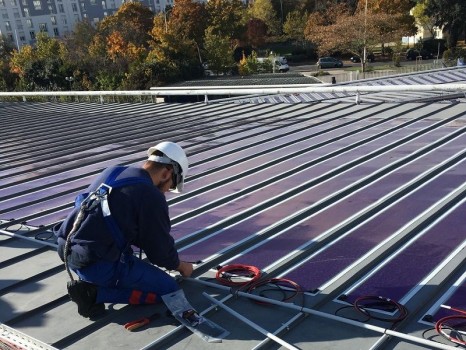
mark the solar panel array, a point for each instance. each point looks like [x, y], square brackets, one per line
[440, 76]
[347, 200]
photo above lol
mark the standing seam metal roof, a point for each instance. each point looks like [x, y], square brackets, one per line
[344, 199]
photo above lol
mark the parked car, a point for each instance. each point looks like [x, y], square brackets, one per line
[281, 64]
[370, 58]
[412, 54]
[210, 72]
[329, 62]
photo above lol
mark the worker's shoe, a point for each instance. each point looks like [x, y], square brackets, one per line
[84, 294]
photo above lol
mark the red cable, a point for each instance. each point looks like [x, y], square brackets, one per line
[453, 308]
[226, 274]
[249, 277]
[440, 324]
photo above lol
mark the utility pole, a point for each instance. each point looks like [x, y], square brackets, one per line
[365, 42]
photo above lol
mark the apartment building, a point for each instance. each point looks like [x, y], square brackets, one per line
[21, 20]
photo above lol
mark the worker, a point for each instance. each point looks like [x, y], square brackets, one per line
[132, 212]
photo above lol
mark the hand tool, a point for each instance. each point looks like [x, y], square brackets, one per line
[136, 324]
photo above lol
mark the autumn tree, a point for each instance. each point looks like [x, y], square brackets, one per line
[7, 78]
[121, 42]
[248, 64]
[348, 32]
[256, 32]
[319, 22]
[40, 67]
[263, 10]
[175, 55]
[134, 22]
[388, 6]
[185, 18]
[398, 10]
[227, 18]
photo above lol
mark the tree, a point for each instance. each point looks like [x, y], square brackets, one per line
[248, 64]
[122, 40]
[256, 32]
[227, 18]
[177, 54]
[134, 22]
[422, 19]
[392, 9]
[40, 67]
[388, 6]
[295, 25]
[349, 32]
[78, 60]
[185, 17]
[319, 22]
[7, 78]
[219, 52]
[263, 10]
[450, 15]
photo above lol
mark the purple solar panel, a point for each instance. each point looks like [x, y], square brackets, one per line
[415, 261]
[180, 208]
[226, 237]
[63, 200]
[318, 270]
[457, 300]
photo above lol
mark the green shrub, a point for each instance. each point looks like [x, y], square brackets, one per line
[388, 51]
[396, 58]
[454, 54]
[320, 73]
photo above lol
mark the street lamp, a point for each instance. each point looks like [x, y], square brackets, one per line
[70, 80]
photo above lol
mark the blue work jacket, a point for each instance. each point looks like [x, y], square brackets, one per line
[141, 213]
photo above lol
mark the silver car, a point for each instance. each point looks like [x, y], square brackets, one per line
[329, 62]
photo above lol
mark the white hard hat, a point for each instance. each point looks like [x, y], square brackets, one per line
[175, 156]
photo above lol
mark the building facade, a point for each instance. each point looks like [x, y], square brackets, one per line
[21, 20]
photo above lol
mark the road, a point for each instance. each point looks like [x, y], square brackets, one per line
[312, 68]
[299, 67]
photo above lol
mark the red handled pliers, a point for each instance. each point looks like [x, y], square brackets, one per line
[133, 325]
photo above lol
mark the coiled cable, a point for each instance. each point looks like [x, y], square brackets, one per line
[238, 275]
[456, 324]
[364, 303]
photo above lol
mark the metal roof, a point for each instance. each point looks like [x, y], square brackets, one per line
[346, 200]
[256, 79]
[438, 76]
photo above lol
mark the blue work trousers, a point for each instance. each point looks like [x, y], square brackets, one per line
[134, 282]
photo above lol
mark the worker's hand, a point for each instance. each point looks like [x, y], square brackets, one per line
[185, 268]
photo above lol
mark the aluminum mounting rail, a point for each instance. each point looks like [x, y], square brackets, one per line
[243, 90]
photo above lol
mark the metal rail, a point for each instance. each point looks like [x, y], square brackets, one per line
[30, 239]
[389, 332]
[247, 90]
